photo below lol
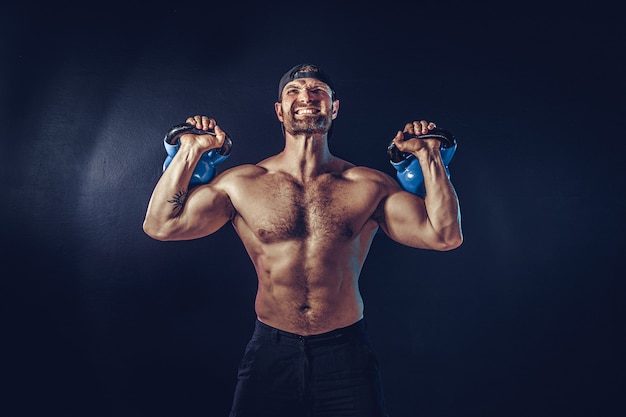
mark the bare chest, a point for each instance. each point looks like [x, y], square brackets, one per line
[329, 208]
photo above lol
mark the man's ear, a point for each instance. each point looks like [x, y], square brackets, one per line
[278, 108]
[335, 108]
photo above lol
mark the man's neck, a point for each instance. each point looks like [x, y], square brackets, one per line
[306, 156]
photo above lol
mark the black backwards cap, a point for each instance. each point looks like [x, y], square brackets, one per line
[305, 71]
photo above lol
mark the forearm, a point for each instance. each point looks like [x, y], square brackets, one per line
[170, 194]
[441, 201]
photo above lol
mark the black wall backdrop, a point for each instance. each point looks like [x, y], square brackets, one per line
[525, 319]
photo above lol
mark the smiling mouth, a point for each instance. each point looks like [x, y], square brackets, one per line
[307, 110]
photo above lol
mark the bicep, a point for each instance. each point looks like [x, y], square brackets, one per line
[405, 220]
[205, 210]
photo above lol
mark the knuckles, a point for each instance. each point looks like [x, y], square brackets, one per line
[418, 127]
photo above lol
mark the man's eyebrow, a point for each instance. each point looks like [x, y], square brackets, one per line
[304, 84]
[293, 85]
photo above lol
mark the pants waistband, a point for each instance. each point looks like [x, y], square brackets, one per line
[357, 329]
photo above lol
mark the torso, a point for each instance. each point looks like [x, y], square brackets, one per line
[308, 242]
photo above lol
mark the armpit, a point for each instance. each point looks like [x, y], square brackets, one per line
[379, 214]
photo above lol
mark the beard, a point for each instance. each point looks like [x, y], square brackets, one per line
[308, 125]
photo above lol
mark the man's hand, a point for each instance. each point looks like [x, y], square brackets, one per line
[414, 145]
[205, 142]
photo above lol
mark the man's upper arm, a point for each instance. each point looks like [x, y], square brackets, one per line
[403, 217]
[204, 210]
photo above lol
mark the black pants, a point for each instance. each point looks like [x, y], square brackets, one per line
[334, 374]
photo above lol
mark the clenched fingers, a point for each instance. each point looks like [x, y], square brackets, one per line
[202, 122]
[419, 127]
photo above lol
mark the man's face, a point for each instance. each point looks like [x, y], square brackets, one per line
[306, 107]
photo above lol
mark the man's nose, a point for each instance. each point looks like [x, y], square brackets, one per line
[304, 96]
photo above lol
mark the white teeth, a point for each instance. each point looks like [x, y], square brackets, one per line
[305, 111]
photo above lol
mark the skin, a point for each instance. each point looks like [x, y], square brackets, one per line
[306, 218]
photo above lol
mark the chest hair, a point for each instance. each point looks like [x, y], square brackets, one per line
[319, 209]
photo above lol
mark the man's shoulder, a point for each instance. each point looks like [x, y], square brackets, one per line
[371, 179]
[244, 170]
[237, 176]
[359, 172]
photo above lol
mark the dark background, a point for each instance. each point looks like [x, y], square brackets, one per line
[526, 318]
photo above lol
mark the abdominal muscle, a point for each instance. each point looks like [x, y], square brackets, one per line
[308, 243]
[308, 293]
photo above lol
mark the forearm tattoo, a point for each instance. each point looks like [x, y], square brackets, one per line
[178, 200]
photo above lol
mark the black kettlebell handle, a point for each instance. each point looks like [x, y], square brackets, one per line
[445, 137]
[188, 128]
